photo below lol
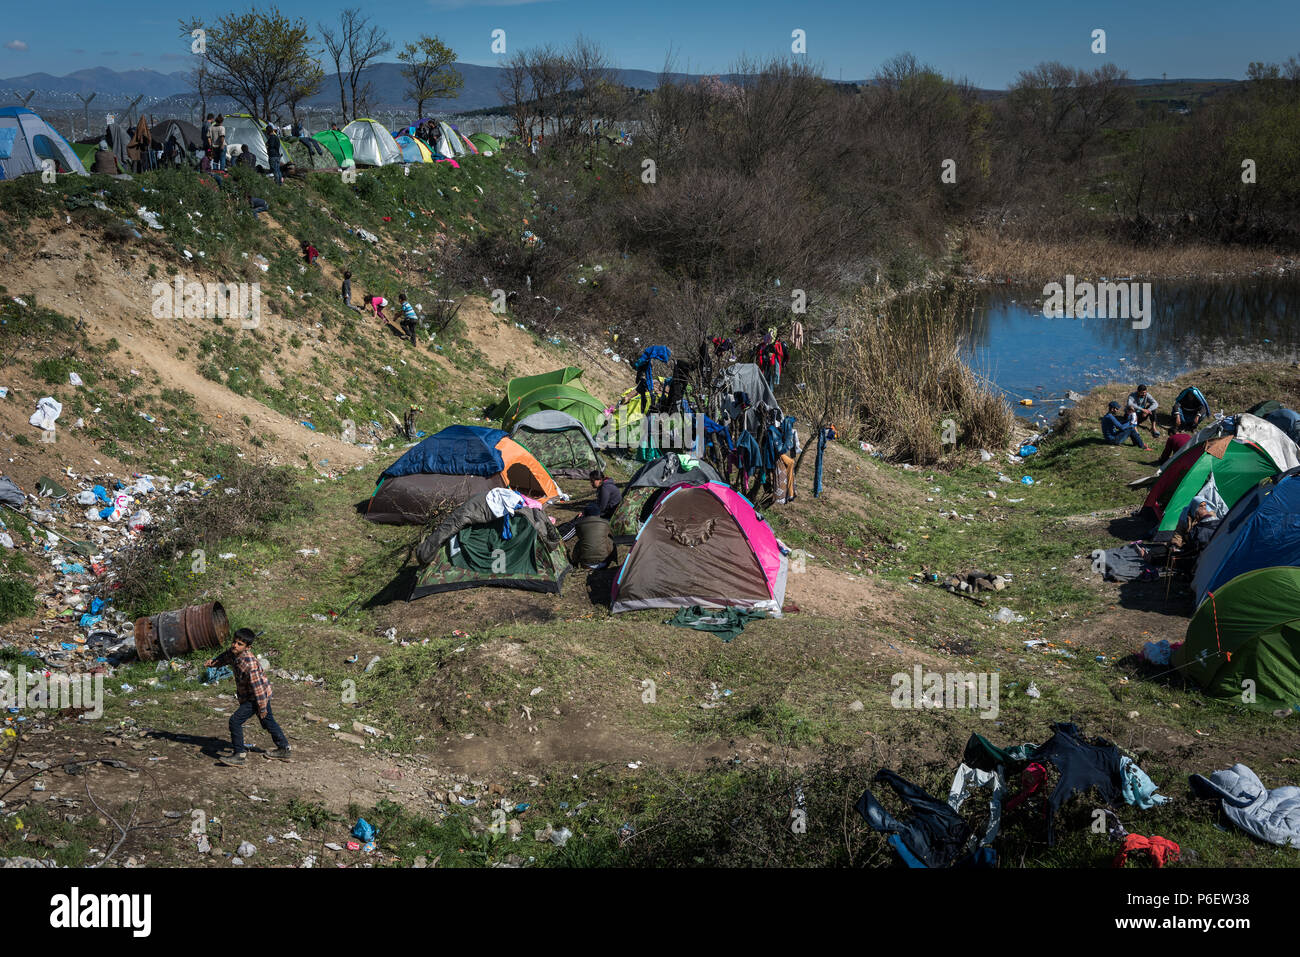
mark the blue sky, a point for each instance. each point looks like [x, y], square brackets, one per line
[986, 41]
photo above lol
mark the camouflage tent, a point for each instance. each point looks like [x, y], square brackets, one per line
[478, 554]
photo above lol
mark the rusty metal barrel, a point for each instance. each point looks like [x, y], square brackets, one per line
[170, 634]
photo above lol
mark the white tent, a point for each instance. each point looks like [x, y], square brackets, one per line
[372, 145]
[243, 130]
[449, 143]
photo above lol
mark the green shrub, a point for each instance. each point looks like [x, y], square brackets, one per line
[17, 599]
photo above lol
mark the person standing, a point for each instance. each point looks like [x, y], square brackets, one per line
[218, 135]
[205, 138]
[273, 153]
[254, 693]
[410, 321]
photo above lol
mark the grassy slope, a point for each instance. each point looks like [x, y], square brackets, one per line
[787, 721]
[460, 699]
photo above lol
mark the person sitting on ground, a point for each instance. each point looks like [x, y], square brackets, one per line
[608, 496]
[309, 253]
[1189, 409]
[376, 304]
[410, 321]
[595, 546]
[1192, 534]
[1115, 431]
[258, 205]
[245, 158]
[1143, 405]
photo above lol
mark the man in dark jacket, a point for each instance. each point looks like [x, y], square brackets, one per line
[273, 153]
[608, 496]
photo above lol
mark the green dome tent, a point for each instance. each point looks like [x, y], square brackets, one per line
[1248, 630]
[337, 143]
[1241, 467]
[574, 400]
[519, 387]
[485, 141]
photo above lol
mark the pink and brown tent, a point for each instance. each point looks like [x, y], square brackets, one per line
[703, 545]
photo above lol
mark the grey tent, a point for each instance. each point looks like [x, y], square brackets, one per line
[187, 136]
[669, 470]
[559, 441]
[646, 487]
[747, 378]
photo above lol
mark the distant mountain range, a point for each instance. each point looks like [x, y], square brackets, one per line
[115, 90]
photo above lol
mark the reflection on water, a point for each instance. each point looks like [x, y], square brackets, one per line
[1028, 355]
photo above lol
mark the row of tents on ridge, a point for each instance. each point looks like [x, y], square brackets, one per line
[1246, 582]
[27, 140]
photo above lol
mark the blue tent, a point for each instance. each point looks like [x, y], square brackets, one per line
[1261, 531]
[456, 450]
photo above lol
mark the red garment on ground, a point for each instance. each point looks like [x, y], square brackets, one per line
[1032, 779]
[1161, 849]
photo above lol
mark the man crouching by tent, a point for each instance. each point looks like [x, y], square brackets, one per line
[254, 693]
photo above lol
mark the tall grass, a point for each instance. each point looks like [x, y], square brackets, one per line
[913, 389]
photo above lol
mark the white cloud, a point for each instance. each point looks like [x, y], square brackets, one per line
[18, 45]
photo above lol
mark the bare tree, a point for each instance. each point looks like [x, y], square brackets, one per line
[352, 48]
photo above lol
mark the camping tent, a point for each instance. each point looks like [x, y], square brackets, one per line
[559, 441]
[244, 130]
[26, 140]
[1248, 630]
[308, 154]
[747, 378]
[1248, 450]
[572, 398]
[187, 134]
[519, 387]
[703, 545]
[485, 142]
[1288, 420]
[649, 483]
[413, 150]
[449, 144]
[451, 466]
[372, 145]
[1262, 530]
[337, 143]
[469, 144]
[469, 549]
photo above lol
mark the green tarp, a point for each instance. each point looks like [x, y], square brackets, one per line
[726, 623]
[1242, 467]
[1248, 631]
[483, 549]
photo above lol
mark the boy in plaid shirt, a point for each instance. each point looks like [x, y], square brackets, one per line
[254, 693]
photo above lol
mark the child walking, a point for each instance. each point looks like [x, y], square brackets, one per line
[254, 693]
